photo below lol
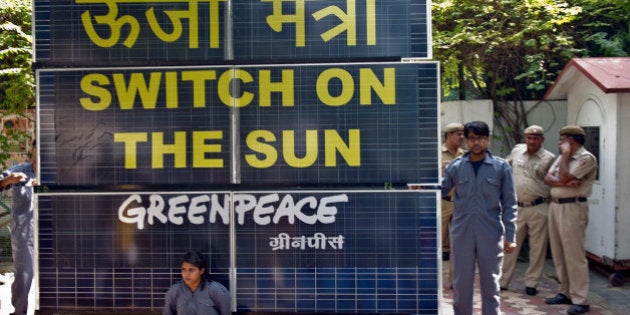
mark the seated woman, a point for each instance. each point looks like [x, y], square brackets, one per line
[196, 294]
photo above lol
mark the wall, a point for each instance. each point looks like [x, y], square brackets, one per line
[623, 178]
[551, 115]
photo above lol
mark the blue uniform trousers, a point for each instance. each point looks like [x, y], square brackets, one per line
[473, 248]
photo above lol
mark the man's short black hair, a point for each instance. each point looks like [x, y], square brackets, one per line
[478, 127]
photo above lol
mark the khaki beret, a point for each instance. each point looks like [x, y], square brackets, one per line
[572, 130]
[534, 130]
[453, 127]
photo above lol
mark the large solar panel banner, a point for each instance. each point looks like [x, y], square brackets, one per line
[277, 137]
[326, 251]
[137, 32]
[350, 124]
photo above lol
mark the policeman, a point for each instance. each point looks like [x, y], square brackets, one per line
[451, 148]
[530, 163]
[571, 179]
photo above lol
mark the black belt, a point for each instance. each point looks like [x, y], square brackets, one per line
[569, 200]
[447, 198]
[532, 203]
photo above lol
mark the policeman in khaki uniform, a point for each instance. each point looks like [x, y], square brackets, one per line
[571, 179]
[451, 148]
[530, 163]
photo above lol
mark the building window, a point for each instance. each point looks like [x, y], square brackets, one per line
[592, 143]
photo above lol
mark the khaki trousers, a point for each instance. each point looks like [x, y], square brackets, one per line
[447, 216]
[532, 222]
[567, 229]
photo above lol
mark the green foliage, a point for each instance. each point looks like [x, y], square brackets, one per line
[511, 51]
[506, 49]
[18, 12]
[17, 91]
[604, 27]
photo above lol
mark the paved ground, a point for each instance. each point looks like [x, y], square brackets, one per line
[604, 298]
[6, 278]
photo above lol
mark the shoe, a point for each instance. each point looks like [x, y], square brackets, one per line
[446, 256]
[558, 299]
[577, 309]
[531, 291]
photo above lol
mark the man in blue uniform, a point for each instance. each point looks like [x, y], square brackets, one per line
[21, 178]
[483, 223]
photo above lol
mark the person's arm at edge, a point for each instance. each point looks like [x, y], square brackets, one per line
[447, 179]
[221, 296]
[8, 178]
[4, 182]
[169, 303]
[508, 204]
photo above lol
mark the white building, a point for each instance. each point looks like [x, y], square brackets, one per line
[597, 91]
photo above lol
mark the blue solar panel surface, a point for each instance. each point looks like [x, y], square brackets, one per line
[376, 252]
[96, 32]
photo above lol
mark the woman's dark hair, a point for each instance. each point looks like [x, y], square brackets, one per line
[196, 259]
[480, 128]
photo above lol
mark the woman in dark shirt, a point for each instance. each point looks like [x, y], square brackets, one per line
[196, 294]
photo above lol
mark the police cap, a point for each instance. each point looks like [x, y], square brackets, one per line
[534, 130]
[454, 127]
[572, 130]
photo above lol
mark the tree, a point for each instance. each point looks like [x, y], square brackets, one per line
[603, 27]
[508, 51]
[17, 92]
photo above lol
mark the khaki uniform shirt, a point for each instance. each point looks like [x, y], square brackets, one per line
[583, 166]
[447, 158]
[529, 172]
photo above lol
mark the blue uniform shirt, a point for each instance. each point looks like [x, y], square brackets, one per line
[210, 298]
[487, 198]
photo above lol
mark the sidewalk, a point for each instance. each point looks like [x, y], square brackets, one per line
[6, 278]
[604, 298]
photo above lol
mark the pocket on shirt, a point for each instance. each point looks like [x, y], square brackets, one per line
[465, 186]
[463, 182]
[490, 187]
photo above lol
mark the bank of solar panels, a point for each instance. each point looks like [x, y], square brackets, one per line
[277, 137]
